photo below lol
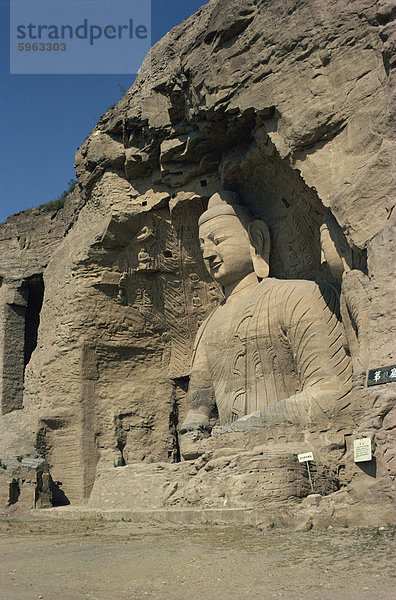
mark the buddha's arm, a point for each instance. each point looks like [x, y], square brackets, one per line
[314, 335]
[200, 393]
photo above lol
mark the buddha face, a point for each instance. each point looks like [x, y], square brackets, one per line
[225, 248]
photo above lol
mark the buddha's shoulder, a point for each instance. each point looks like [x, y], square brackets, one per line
[295, 287]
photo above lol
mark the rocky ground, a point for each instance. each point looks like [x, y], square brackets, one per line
[101, 560]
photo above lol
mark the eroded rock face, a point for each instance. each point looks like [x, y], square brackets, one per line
[27, 243]
[286, 103]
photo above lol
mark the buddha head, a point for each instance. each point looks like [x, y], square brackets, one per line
[233, 244]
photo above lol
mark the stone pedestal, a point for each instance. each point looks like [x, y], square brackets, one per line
[249, 479]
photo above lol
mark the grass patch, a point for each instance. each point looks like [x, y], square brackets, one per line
[59, 203]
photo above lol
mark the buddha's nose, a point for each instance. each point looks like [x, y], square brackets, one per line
[209, 250]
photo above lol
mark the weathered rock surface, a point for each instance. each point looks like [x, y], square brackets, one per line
[26, 481]
[249, 479]
[289, 104]
[27, 242]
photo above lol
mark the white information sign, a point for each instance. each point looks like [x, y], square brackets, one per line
[305, 457]
[362, 450]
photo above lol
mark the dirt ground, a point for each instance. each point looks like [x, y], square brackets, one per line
[102, 560]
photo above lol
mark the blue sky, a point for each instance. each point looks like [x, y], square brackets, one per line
[45, 118]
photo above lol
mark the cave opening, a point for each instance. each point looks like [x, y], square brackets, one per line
[34, 293]
[15, 491]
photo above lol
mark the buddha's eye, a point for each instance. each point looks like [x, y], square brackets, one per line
[217, 241]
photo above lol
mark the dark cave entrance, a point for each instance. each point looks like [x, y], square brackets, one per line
[34, 293]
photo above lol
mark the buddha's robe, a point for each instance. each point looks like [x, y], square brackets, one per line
[279, 350]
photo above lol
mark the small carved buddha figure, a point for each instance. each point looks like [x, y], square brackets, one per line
[144, 259]
[272, 351]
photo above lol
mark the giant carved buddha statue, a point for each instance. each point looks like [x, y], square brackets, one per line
[273, 351]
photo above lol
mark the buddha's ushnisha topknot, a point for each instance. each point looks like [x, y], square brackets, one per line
[226, 202]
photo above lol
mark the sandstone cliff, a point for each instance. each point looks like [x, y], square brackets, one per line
[286, 102]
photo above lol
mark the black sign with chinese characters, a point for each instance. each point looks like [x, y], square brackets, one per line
[381, 375]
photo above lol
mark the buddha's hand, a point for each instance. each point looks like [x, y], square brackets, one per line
[195, 422]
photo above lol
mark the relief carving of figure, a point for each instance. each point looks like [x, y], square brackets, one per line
[355, 299]
[145, 260]
[272, 352]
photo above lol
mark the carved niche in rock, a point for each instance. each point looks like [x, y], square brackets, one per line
[272, 352]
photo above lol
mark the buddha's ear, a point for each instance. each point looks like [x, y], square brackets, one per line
[259, 247]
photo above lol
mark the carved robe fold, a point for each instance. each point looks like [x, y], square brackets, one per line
[280, 350]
